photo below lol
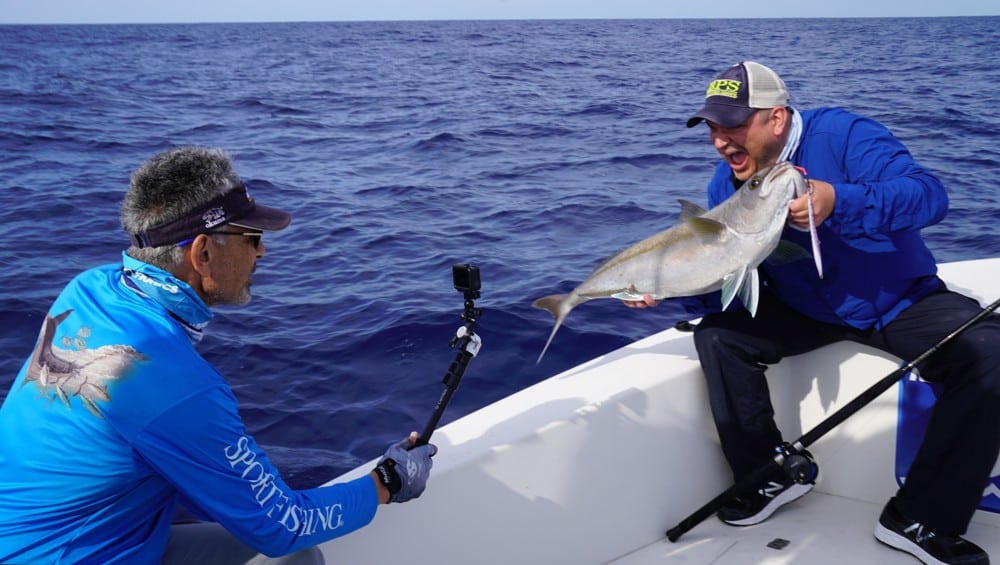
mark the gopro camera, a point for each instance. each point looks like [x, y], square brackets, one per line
[465, 277]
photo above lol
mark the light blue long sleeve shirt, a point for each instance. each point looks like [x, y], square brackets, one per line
[116, 417]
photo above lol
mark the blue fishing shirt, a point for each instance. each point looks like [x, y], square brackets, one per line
[116, 418]
[875, 263]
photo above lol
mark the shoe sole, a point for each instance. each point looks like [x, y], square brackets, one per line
[905, 544]
[792, 493]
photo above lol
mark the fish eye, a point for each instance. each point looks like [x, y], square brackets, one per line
[754, 183]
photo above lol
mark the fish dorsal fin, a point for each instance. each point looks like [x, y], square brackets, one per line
[690, 209]
[704, 227]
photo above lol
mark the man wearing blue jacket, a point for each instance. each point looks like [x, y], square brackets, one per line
[879, 287]
[115, 421]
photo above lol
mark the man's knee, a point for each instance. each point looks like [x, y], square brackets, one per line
[973, 358]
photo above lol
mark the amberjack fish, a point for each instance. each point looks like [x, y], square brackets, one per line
[705, 251]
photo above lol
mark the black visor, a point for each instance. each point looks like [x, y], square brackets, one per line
[233, 207]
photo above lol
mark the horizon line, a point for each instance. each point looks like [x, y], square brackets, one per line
[511, 19]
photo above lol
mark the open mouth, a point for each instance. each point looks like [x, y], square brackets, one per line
[737, 160]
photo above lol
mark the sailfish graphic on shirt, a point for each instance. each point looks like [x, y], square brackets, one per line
[81, 372]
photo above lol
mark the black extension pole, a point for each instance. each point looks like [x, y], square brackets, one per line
[468, 343]
[757, 477]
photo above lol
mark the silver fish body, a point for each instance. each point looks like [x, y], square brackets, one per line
[705, 251]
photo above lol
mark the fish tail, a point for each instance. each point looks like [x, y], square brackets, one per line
[546, 348]
[559, 306]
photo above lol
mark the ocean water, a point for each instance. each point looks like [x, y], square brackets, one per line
[532, 149]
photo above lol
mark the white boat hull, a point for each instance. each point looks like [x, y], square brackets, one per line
[593, 466]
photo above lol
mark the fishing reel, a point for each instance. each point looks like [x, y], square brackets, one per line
[797, 464]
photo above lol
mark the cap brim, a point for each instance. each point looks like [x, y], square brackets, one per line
[265, 218]
[722, 114]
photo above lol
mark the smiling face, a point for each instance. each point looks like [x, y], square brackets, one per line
[753, 145]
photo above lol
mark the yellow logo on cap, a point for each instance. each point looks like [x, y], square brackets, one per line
[723, 87]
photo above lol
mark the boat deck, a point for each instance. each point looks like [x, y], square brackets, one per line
[818, 528]
[594, 464]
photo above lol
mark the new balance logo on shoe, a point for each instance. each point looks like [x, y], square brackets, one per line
[899, 532]
[772, 489]
[758, 506]
[789, 484]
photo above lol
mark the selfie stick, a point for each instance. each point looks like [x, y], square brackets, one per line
[466, 278]
[791, 453]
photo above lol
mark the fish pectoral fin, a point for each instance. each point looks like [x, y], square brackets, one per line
[705, 227]
[690, 209]
[630, 294]
[787, 252]
[731, 285]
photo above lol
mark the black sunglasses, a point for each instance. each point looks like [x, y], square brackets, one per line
[256, 236]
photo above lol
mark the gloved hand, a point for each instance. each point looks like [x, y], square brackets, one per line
[404, 473]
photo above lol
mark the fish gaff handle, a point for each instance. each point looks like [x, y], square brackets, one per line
[466, 279]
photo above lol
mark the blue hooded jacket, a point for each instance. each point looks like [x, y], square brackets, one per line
[116, 418]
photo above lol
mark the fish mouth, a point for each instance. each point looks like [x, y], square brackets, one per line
[776, 170]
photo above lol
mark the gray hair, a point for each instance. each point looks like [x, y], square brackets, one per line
[166, 187]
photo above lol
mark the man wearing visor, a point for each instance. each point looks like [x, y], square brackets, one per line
[115, 422]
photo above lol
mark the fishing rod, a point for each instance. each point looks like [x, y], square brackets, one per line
[790, 457]
[466, 280]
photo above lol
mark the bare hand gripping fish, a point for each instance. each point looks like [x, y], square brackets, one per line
[705, 251]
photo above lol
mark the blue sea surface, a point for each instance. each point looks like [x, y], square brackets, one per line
[532, 149]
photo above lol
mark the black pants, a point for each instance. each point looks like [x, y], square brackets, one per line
[946, 481]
